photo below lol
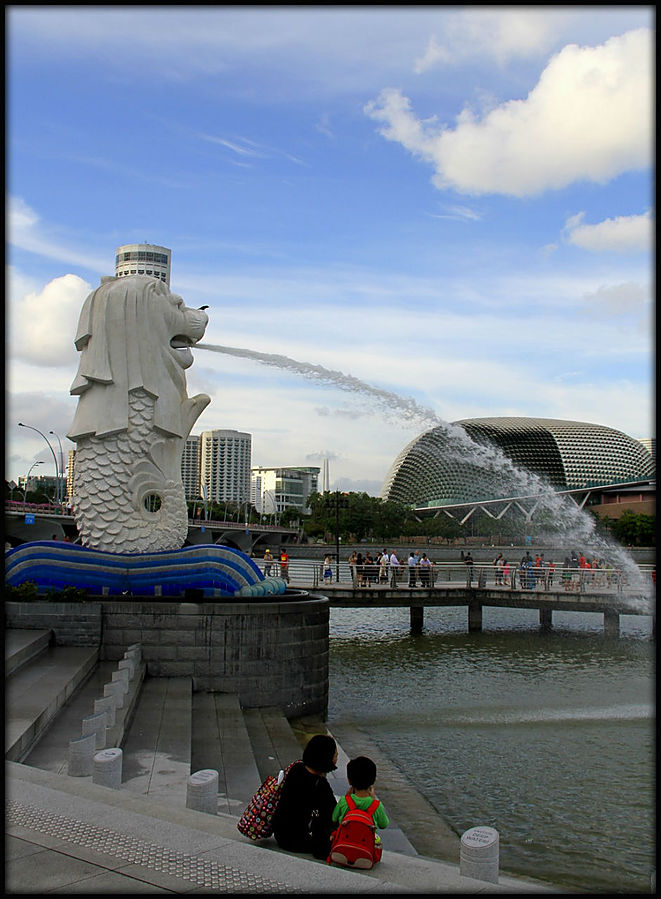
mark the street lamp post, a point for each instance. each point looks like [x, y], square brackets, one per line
[60, 482]
[57, 471]
[337, 536]
[27, 482]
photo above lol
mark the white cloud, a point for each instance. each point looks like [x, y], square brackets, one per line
[618, 299]
[624, 234]
[495, 34]
[588, 118]
[26, 232]
[43, 324]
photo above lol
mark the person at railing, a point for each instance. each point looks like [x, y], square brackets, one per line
[498, 569]
[383, 560]
[412, 564]
[425, 570]
[360, 570]
[468, 561]
[394, 568]
[268, 562]
[284, 564]
[328, 569]
[353, 563]
[506, 573]
[371, 569]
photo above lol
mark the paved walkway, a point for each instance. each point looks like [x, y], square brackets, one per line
[63, 835]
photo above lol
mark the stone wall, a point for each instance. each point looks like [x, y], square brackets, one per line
[272, 653]
[72, 623]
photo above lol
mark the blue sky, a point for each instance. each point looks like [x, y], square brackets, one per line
[452, 204]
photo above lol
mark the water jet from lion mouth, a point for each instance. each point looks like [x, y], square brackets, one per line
[578, 525]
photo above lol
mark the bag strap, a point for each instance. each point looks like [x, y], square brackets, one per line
[351, 802]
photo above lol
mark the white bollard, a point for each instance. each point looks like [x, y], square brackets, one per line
[128, 665]
[479, 854]
[121, 677]
[81, 755]
[108, 705]
[202, 791]
[116, 689]
[96, 724]
[108, 768]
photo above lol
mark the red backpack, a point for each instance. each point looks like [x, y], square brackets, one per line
[353, 844]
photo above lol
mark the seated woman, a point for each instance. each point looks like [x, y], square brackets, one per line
[303, 821]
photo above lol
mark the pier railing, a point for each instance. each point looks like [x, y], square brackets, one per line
[309, 573]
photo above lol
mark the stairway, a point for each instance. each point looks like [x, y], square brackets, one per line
[166, 730]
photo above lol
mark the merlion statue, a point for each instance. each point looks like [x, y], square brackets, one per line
[133, 415]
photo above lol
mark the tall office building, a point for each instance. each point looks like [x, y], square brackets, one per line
[143, 259]
[190, 467]
[275, 489]
[225, 465]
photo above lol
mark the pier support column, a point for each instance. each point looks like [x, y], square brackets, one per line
[474, 617]
[546, 618]
[611, 624]
[417, 618]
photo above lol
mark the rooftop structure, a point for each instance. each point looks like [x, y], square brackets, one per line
[435, 469]
[143, 259]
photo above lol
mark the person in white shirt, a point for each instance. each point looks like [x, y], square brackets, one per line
[394, 565]
[412, 566]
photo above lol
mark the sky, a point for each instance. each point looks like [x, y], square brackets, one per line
[452, 205]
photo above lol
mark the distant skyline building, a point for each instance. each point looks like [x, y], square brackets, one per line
[225, 457]
[272, 490]
[143, 259]
[190, 467]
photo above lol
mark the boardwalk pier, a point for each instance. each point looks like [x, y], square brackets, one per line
[610, 604]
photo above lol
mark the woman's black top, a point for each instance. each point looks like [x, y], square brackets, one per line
[302, 793]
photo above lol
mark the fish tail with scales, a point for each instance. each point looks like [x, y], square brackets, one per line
[115, 475]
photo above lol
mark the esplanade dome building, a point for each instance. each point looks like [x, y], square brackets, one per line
[446, 465]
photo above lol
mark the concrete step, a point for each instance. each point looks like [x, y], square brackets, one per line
[64, 835]
[239, 775]
[157, 751]
[35, 694]
[273, 742]
[21, 646]
[51, 752]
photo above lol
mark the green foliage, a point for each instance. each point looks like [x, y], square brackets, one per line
[632, 529]
[28, 592]
[354, 517]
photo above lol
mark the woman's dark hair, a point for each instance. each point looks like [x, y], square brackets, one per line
[361, 772]
[319, 753]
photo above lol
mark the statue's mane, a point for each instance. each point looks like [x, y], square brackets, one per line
[123, 347]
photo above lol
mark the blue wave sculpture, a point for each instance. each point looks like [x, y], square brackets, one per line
[219, 571]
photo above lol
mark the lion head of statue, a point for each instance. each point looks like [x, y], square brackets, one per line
[134, 333]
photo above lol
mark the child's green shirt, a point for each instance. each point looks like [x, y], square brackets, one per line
[362, 802]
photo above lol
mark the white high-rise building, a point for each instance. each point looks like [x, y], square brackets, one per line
[190, 467]
[143, 259]
[275, 489]
[225, 465]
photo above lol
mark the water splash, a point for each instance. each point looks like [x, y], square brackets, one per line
[410, 410]
[575, 527]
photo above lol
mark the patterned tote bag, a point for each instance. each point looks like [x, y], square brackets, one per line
[256, 821]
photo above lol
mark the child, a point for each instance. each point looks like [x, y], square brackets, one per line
[361, 774]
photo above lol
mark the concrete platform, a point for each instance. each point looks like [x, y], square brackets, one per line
[66, 836]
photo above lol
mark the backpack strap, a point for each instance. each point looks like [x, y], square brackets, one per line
[373, 806]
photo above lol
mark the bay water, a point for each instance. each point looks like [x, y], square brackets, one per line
[548, 736]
